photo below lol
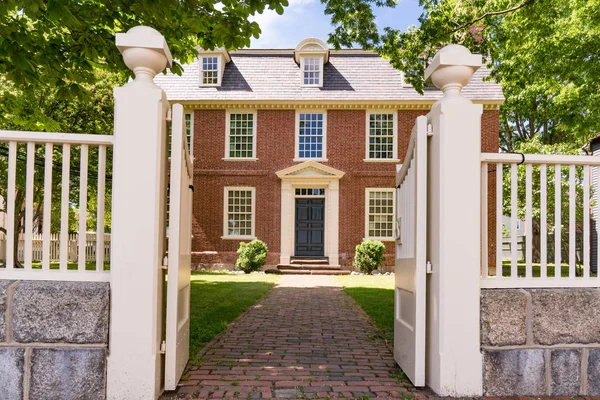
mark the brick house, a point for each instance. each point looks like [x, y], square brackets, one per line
[299, 148]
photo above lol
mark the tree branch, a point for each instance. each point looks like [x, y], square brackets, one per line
[491, 13]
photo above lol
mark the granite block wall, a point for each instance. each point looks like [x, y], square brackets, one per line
[53, 340]
[538, 342]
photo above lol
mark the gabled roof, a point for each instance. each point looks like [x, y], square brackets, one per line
[273, 75]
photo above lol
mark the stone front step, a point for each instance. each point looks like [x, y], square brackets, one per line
[309, 266]
[309, 260]
[312, 272]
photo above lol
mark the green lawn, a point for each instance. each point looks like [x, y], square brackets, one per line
[375, 294]
[536, 269]
[89, 266]
[218, 298]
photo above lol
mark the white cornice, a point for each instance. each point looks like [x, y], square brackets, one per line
[325, 105]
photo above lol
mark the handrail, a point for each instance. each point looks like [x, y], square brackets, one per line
[539, 159]
[56, 138]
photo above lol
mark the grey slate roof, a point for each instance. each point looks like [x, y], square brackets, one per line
[348, 76]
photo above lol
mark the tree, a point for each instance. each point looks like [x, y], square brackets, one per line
[93, 114]
[61, 44]
[544, 54]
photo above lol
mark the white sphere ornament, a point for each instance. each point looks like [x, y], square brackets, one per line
[144, 51]
[452, 68]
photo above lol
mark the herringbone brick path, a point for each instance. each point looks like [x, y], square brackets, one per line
[306, 339]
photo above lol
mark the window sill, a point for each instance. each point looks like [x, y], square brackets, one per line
[238, 237]
[387, 239]
[382, 160]
[310, 159]
[239, 159]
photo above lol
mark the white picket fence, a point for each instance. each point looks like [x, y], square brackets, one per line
[73, 239]
[572, 172]
[18, 141]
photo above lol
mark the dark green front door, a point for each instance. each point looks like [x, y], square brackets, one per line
[310, 227]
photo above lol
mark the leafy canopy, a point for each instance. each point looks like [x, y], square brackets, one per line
[544, 53]
[61, 44]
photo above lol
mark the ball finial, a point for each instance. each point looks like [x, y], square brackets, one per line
[145, 51]
[452, 68]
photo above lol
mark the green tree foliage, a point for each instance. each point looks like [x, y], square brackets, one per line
[536, 146]
[544, 54]
[369, 255]
[61, 44]
[252, 256]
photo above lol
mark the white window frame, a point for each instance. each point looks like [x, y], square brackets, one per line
[383, 239]
[367, 135]
[226, 234]
[219, 70]
[297, 145]
[191, 149]
[302, 60]
[228, 137]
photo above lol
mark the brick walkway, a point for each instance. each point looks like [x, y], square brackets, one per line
[306, 339]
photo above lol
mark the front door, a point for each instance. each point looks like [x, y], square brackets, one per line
[310, 227]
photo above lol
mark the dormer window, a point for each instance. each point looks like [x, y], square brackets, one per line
[210, 70]
[311, 54]
[312, 68]
[212, 66]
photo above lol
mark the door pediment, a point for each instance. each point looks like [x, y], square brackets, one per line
[310, 170]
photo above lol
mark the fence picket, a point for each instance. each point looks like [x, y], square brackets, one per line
[100, 211]
[543, 222]
[557, 221]
[11, 257]
[47, 206]
[513, 220]
[499, 220]
[528, 221]
[64, 207]
[29, 204]
[83, 180]
[572, 221]
[586, 221]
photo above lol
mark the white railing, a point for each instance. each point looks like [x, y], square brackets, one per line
[38, 248]
[32, 159]
[551, 194]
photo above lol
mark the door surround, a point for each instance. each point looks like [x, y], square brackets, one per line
[315, 175]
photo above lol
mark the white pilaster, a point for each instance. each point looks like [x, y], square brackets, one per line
[287, 222]
[138, 230]
[333, 222]
[454, 361]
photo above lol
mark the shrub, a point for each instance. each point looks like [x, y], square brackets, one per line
[369, 255]
[252, 256]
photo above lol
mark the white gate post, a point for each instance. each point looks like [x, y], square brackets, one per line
[138, 215]
[454, 362]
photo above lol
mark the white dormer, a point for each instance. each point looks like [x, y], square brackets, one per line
[212, 65]
[311, 54]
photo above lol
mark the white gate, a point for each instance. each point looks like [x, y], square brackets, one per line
[411, 264]
[179, 257]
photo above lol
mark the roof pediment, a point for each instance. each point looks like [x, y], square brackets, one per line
[310, 170]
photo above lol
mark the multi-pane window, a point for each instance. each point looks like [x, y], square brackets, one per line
[210, 70]
[239, 211]
[310, 192]
[380, 213]
[189, 132]
[381, 137]
[311, 135]
[241, 136]
[311, 71]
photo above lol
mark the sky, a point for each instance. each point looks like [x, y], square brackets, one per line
[306, 18]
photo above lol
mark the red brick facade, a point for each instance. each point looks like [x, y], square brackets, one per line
[275, 143]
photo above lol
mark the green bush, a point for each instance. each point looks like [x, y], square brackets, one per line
[369, 255]
[252, 256]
